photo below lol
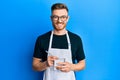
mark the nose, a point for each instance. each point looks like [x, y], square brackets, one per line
[59, 19]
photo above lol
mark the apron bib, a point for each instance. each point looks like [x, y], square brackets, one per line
[52, 73]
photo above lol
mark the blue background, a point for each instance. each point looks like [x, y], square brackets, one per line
[96, 21]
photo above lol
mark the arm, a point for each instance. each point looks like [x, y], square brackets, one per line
[80, 56]
[38, 55]
[38, 65]
[79, 66]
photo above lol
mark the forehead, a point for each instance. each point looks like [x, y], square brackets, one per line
[59, 12]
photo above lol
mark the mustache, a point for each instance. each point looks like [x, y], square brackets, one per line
[59, 22]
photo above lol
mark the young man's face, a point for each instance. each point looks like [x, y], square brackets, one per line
[59, 19]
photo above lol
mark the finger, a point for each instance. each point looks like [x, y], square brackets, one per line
[54, 57]
[63, 69]
[50, 62]
[50, 59]
[62, 63]
[59, 67]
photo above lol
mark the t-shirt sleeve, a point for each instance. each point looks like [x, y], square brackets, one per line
[38, 50]
[80, 52]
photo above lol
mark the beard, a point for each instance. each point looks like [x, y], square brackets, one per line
[59, 26]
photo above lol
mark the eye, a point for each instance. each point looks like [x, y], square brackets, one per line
[63, 17]
[54, 17]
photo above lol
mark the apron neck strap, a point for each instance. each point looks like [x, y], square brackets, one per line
[68, 40]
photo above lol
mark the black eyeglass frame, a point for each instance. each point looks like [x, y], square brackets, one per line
[63, 17]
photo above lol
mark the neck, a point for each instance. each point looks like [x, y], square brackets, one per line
[60, 32]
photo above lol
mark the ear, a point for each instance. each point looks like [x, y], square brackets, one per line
[51, 17]
[68, 18]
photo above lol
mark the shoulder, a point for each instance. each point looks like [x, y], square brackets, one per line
[74, 36]
[44, 36]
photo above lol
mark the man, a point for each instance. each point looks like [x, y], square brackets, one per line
[57, 51]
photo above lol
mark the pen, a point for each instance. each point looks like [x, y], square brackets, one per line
[49, 54]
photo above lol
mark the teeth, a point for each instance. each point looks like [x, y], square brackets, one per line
[59, 25]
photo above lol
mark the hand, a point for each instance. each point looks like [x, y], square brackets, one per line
[65, 66]
[50, 60]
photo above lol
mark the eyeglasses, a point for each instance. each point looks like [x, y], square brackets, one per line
[62, 18]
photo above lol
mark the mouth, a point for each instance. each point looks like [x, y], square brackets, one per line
[59, 24]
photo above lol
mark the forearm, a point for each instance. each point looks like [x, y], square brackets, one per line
[79, 66]
[40, 66]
